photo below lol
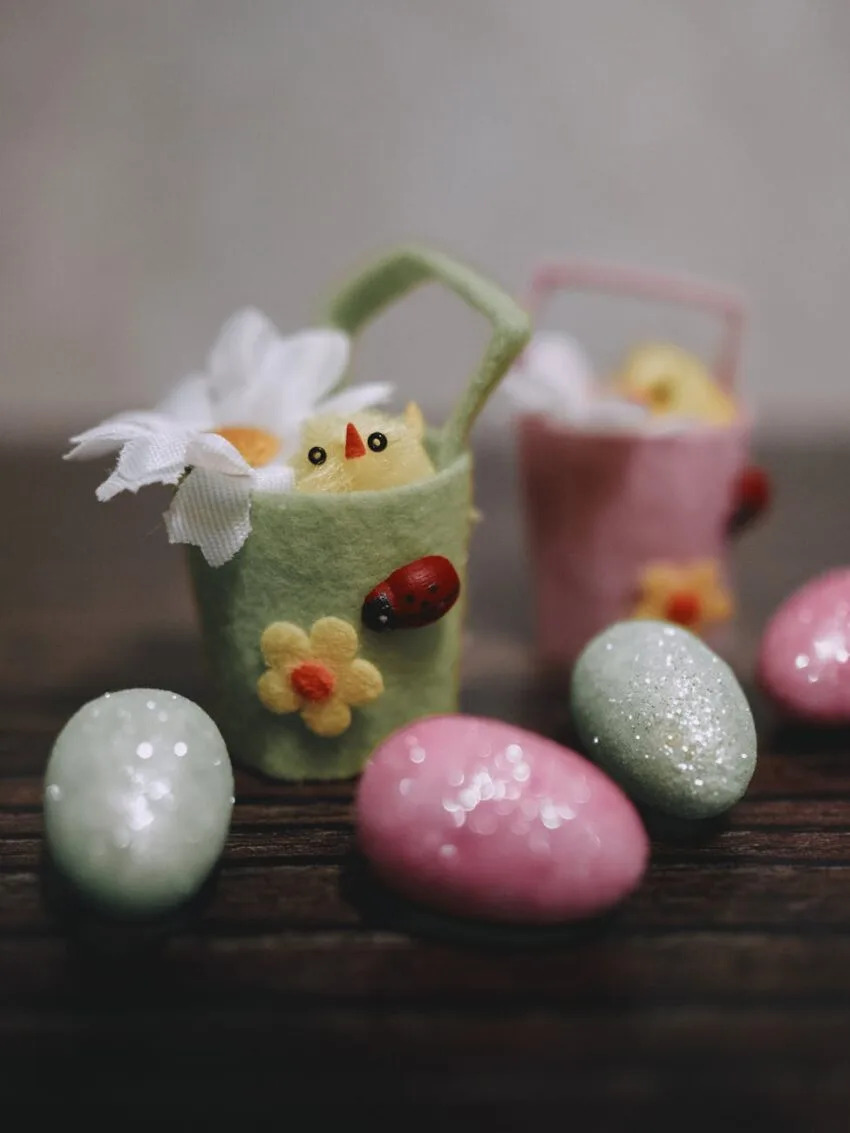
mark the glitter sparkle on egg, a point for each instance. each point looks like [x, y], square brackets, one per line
[665, 717]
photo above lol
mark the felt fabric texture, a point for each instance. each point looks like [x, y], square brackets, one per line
[319, 675]
[400, 271]
[314, 555]
[600, 509]
[692, 594]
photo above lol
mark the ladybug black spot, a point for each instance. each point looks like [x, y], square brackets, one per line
[410, 599]
[377, 614]
[433, 588]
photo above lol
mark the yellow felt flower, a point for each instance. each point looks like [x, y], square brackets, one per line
[319, 675]
[692, 595]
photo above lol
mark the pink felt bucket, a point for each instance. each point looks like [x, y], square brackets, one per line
[602, 507]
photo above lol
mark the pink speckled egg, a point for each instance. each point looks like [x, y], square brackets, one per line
[804, 658]
[482, 819]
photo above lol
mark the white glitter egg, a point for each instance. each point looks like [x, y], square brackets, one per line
[137, 801]
[665, 717]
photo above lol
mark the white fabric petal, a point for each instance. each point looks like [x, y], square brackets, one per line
[560, 364]
[210, 451]
[529, 397]
[212, 512]
[238, 352]
[293, 375]
[148, 419]
[313, 362]
[274, 478]
[355, 398]
[110, 435]
[554, 376]
[153, 458]
[258, 402]
[615, 414]
[189, 403]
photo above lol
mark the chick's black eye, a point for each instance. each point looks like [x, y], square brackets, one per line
[377, 442]
[317, 455]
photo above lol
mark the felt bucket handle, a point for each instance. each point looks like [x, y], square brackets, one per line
[636, 283]
[391, 277]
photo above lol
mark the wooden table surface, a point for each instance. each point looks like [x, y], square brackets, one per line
[720, 992]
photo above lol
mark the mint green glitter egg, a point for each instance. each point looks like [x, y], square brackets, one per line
[665, 717]
[138, 795]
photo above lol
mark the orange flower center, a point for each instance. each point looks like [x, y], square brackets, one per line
[683, 607]
[255, 445]
[312, 680]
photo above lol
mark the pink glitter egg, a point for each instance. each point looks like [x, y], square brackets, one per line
[804, 658]
[482, 819]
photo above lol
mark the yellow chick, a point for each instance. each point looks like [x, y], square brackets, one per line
[670, 381]
[364, 452]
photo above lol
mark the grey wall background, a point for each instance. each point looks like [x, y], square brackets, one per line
[165, 162]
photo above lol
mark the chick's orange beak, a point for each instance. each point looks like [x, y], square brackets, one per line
[353, 443]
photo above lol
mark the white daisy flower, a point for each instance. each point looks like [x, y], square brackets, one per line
[553, 376]
[228, 432]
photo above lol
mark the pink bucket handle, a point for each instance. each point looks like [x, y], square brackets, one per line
[640, 284]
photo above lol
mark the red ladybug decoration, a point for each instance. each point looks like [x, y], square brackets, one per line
[752, 498]
[415, 595]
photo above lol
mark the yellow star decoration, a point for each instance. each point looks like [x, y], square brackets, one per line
[319, 675]
[692, 595]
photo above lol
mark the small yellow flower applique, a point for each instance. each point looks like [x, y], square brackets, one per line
[319, 675]
[692, 595]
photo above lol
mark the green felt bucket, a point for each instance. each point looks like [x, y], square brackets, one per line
[315, 555]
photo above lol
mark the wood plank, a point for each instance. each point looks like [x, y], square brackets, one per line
[742, 894]
[274, 897]
[784, 845]
[291, 834]
[794, 813]
[696, 968]
[317, 802]
[699, 1042]
[781, 776]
